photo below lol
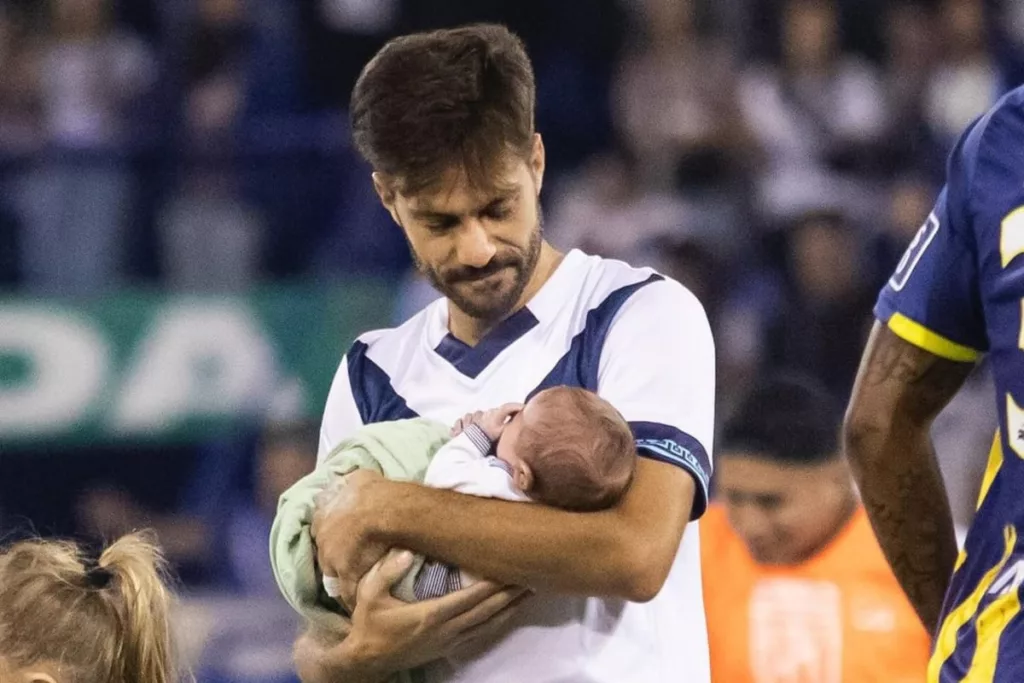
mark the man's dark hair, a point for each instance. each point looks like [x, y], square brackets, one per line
[453, 98]
[787, 418]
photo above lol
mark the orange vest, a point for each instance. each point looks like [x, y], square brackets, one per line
[839, 617]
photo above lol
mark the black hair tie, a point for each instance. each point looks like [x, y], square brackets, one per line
[96, 576]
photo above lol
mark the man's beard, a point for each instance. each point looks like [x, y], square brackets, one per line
[488, 307]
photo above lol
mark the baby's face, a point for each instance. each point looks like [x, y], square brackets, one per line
[507, 445]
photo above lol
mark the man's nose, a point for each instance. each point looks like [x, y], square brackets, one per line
[474, 247]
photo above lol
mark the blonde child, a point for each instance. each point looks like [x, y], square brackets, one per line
[67, 619]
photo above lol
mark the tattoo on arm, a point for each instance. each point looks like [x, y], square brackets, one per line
[925, 381]
[900, 390]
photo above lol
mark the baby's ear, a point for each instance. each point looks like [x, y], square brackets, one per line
[39, 677]
[523, 477]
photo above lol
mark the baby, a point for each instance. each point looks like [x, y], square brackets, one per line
[567, 448]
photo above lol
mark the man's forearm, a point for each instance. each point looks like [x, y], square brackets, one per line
[906, 500]
[624, 552]
[900, 388]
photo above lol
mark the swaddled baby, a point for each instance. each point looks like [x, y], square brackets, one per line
[566, 447]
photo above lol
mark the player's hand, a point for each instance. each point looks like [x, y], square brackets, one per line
[397, 636]
[342, 530]
[492, 422]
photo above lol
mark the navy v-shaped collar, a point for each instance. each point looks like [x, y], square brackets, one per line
[472, 360]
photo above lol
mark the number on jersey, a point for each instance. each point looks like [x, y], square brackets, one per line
[912, 256]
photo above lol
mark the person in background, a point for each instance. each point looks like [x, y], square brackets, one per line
[286, 452]
[820, 327]
[86, 77]
[65, 618]
[795, 585]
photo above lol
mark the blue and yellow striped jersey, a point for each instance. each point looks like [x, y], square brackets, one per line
[959, 293]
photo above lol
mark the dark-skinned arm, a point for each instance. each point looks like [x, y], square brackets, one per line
[900, 389]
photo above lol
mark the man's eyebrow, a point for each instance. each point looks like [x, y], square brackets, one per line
[427, 213]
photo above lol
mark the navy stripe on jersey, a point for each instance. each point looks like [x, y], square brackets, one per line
[675, 447]
[375, 398]
[472, 360]
[578, 367]
[1010, 655]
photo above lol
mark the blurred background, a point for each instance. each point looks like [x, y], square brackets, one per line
[188, 241]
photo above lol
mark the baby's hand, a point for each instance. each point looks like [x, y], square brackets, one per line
[492, 422]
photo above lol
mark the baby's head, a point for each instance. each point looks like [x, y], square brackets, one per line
[569, 448]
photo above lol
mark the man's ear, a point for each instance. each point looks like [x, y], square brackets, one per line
[538, 161]
[386, 191]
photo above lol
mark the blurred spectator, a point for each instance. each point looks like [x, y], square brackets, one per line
[910, 201]
[21, 129]
[966, 81]
[823, 322]
[223, 541]
[211, 237]
[674, 99]
[286, 453]
[75, 204]
[795, 585]
[20, 132]
[340, 36]
[1005, 22]
[606, 209]
[911, 55]
[818, 115]
[734, 299]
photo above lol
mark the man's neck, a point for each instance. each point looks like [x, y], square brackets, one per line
[471, 330]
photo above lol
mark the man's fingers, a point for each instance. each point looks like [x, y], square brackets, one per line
[445, 608]
[387, 572]
[482, 611]
[493, 626]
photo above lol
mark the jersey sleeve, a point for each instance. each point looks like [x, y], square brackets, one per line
[933, 298]
[657, 368]
[341, 415]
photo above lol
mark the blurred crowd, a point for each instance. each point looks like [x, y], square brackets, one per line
[776, 156]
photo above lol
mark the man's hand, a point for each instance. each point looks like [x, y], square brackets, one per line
[492, 422]
[389, 635]
[341, 531]
[415, 634]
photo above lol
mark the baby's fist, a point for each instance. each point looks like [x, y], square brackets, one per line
[494, 421]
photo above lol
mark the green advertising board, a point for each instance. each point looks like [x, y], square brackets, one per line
[174, 367]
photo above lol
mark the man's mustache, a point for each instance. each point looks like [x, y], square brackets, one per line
[472, 274]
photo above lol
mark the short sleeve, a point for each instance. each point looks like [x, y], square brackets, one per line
[933, 299]
[658, 369]
[341, 415]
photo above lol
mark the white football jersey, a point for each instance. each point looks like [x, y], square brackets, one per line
[641, 341]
